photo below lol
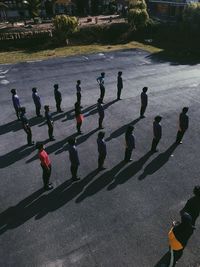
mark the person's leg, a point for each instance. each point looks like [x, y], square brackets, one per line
[50, 131]
[45, 177]
[128, 153]
[100, 122]
[179, 136]
[119, 93]
[101, 160]
[142, 111]
[154, 145]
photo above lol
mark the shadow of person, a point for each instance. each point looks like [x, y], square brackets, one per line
[130, 171]
[39, 205]
[101, 182]
[164, 261]
[105, 106]
[121, 130]
[158, 162]
[15, 155]
[71, 113]
[59, 198]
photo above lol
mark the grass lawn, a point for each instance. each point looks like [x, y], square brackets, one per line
[25, 55]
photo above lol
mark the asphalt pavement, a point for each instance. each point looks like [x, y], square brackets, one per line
[121, 216]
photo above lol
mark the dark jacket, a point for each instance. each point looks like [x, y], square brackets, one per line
[144, 99]
[100, 110]
[193, 208]
[119, 82]
[182, 232]
[157, 130]
[130, 141]
[16, 102]
[24, 120]
[36, 99]
[73, 155]
[57, 95]
[48, 117]
[101, 146]
[183, 121]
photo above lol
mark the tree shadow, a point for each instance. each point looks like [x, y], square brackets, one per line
[101, 182]
[129, 172]
[71, 114]
[15, 155]
[158, 162]
[39, 205]
[16, 125]
[121, 130]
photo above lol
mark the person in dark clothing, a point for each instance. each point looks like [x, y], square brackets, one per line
[26, 126]
[74, 159]
[16, 103]
[102, 150]
[183, 125]
[37, 102]
[157, 131]
[100, 81]
[193, 205]
[178, 237]
[46, 166]
[58, 98]
[144, 102]
[78, 91]
[79, 117]
[119, 85]
[130, 143]
[49, 122]
[101, 112]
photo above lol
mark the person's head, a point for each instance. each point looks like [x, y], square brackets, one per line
[23, 110]
[158, 118]
[72, 141]
[130, 129]
[196, 191]
[120, 73]
[39, 146]
[103, 74]
[34, 89]
[101, 135]
[46, 107]
[185, 110]
[78, 82]
[56, 86]
[99, 101]
[13, 91]
[145, 89]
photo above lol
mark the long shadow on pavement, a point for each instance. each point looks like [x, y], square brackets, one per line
[158, 162]
[101, 182]
[39, 205]
[71, 116]
[16, 125]
[130, 171]
[121, 130]
[164, 261]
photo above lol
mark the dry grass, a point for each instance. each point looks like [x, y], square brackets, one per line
[23, 55]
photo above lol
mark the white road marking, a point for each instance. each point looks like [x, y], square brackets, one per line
[101, 54]
[32, 61]
[4, 82]
[1, 77]
[85, 57]
[4, 72]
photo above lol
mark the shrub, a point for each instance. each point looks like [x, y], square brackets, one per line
[64, 26]
[191, 17]
[137, 18]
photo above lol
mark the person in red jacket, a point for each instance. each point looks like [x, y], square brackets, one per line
[46, 166]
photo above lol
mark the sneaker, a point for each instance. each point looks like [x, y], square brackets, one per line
[75, 179]
[52, 139]
[31, 144]
[49, 187]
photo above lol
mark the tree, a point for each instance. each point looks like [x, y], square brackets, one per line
[191, 17]
[33, 7]
[64, 26]
[137, 15]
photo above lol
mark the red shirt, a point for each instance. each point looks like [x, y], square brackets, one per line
[44, 158]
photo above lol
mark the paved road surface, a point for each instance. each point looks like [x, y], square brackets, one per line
[120, 217]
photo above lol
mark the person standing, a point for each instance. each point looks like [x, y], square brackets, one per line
[193, 205]
[58, 98]
[78, 92]
[130, 143]
[100, 81]
[183, 125]
[119, 85]
[16, 103]
[102, 150]
[79, 117]
[46, 166]
[26, 126]
[101, 112]
[37, 101]
[49, 122]
[178, 237]
[157, 131]
[144, 102]
[74, 159]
